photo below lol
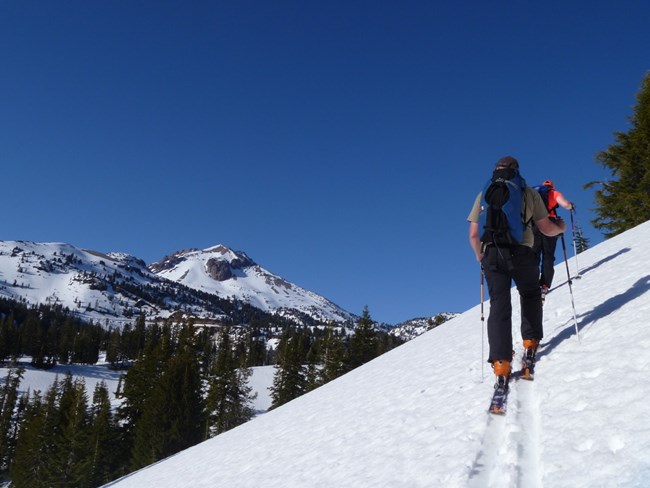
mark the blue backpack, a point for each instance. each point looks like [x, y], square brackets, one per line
[501, 220]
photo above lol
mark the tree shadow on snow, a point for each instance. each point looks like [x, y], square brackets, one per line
[594, 266]
[600, 311]
[604, 260]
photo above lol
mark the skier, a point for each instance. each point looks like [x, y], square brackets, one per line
[502, 264]
[544, 245]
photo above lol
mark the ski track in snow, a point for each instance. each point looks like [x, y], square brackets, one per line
[509, 454]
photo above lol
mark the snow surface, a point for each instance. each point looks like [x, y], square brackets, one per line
[43, 273]
[251, 284]
[417, 416]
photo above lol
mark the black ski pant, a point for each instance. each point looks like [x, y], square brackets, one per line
[501, 266]
[544, 247]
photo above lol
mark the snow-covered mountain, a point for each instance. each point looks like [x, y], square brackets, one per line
[232, 274]
[114, 288]
[417, 415]
[412, 328]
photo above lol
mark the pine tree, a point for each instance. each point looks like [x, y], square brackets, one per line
[9, 340]
[33, 462]
[363, 344]
[66, 342]
[289, 381]
[103, 444]
[582, 242]
[229, 398]
[139, 382]
[624, 201]
[71, 461]
[8, 421]
[333, 357]
[172, 415]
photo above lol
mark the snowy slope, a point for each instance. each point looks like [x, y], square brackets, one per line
[416, 416]
[232, 274]
[115, 288]
[61, 274]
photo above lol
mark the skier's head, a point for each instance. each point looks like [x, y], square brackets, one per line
[507, 162]
[548, 183]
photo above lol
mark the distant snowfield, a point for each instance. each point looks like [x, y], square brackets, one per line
[38, 379]
[417, 416]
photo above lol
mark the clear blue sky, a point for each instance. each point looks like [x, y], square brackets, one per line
[339, 143]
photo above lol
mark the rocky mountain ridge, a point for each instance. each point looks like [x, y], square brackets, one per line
[212, 285]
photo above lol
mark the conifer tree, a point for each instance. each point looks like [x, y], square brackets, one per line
[71, 461]
[624, 201]
[139, 382]
[8, 421]
[229, 397]
[289, 381]
[66, 342]
[103, 446]
[333, 357]
[33, 463]
[9, 339]
[363, 344]
[582, 242]
[172, 415]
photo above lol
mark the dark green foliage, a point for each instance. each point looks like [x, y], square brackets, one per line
[8, 416]
[582, 242]
[229, 396]
[290, 380]
[9, 338]
[624, 201]
[172, 416]
[29, 465]
[50, 335]
[180, 387]
[333, 357]
[61, 440]
[70, 457]
[363, 344]
[103, 442]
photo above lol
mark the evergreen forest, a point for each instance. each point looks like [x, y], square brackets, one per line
[181, 384]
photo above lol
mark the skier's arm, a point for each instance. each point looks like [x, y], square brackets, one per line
[564, 202]
[474, 241]
[549, 227]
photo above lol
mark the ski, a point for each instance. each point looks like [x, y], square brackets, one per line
[528, 365]
[528, 373]
[499, 402]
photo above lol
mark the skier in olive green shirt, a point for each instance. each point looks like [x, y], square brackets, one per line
[502, 265]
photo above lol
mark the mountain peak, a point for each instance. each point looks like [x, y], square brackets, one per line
[233, 274]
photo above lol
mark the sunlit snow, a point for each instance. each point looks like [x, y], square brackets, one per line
[417, 416]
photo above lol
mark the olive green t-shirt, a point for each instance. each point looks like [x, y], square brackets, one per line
[533, 210]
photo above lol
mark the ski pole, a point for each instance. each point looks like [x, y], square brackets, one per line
[566, 263]
[482, 328]
[575, 249]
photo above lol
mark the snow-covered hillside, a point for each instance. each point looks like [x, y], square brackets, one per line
[94, 286]
[417, 416]
[412, 328]
[115, 288]
[232, 274]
